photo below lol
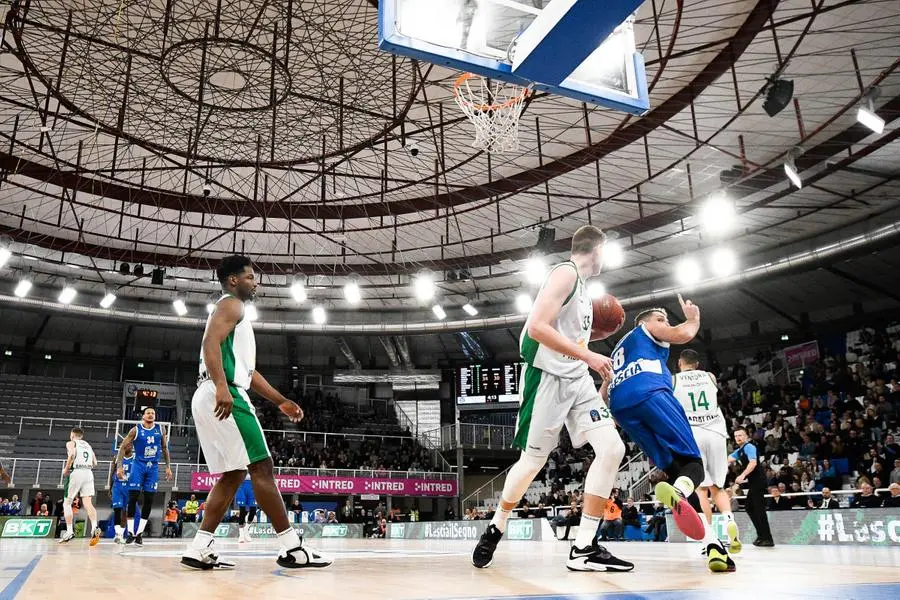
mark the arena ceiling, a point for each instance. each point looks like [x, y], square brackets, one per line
[116, 117]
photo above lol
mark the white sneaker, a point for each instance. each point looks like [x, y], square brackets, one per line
[247, 537]
[302, 557]
[119, 540]
[67, 537]
[204, 560]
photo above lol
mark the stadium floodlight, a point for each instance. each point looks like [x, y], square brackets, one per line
[298, 291]
[439, 312]
[866, 113]
[352, 293]
[688, 272]
[107, 300]
[210, 307]
[613, 255]
[723, 262]
[535, 270]
[250, 312]
[469, 309]
[424, 287]
[67, 294]
[790, 167]
[718, 214]
[523, 303]
[23, 287]
[318, 315]
[595, 290]
[179, 306]
[5, 255]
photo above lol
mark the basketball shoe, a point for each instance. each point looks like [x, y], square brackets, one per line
[483, 555]
[595, 558]
[301, 557]
[687, 519]
[95, 538]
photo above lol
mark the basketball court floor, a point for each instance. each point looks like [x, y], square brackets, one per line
[419, 569]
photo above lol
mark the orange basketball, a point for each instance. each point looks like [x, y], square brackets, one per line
[609, 316]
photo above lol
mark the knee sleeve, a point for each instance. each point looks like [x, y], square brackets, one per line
[133, 496]
[117, 516]
[147, 505]
[686, 466]
[608, 453]
[520, 476]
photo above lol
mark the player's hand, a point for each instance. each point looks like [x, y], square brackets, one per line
[224, 403]
[601, 364]
[691, 311]
[168, 474]
[120, 473]
[291, 410]
[5, 477]
[739, 479]
[65, 472]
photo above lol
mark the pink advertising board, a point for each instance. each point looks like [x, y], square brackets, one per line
[345, 486]
[801, 355]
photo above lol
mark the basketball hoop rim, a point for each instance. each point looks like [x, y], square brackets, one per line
[515, 100]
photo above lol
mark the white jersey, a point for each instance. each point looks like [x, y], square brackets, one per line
[573, 322]
[84, 455]
[697, 392]
[238, 353]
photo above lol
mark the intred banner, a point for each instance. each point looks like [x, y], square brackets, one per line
[313, 484]
[801, 355]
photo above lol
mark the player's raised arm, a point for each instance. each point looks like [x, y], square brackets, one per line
[546, 309]
[129, 439]
[658, 326]
[225, 317]
[262, 387]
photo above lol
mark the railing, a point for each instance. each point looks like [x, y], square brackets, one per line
[493, 489]
[472, 436]
[47, 472]
[642, 485]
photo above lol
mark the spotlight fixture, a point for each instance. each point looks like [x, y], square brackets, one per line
[318, 315]
[723, 262]
[595, 290]
[535, 270]
[22, 288]
[107, 300]
[438, 311]
[718, 214]
[250, 312]
[67, 294]
[352, 293]
[866, 113]
[613, 255]
[469, 309]
[5, 255]
[523, 303]
[785, 337]
[687, 272]
[790, 167]
[778, 95]
[179, 306]
[298, 291]
[424, 287]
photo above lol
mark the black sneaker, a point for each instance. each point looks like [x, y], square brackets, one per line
[139, 539]
[595, 558]
[483, 555]
[300, 558]
[764, 543]
[129, 538]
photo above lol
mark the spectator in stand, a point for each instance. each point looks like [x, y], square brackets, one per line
[4, 507]
[297, 511]
[36, 502]
[612, 527]
[827, 502]
[895, 474]
[332, 518]
[630, 514]
[657, 523]
[777, 501]
[43, 511]
[170, 521]
[568, 520]
[893, 501]
[866, 499]
[190, 509]
[450, 514]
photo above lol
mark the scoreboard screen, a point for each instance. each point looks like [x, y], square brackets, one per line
[488, 384]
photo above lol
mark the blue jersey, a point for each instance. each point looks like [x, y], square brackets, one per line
[127, 461]
[148, 443]
[639, 369]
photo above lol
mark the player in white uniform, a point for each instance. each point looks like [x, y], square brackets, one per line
[556, 389]
[697, 392]
[230, 434]
[80, 461]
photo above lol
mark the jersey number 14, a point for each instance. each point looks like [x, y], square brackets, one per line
[702, 402]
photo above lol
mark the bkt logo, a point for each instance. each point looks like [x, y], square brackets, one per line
[27, 528]
[334, 531]
[222, 530]
[521, 530]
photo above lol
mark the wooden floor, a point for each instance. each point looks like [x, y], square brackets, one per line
[414, 569]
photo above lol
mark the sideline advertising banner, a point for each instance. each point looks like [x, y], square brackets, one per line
[265, 530]
[27, 527]
[801, 355]
[345, 486]
[516, 529]
[844, 527]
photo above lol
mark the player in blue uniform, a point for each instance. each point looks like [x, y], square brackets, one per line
[643, 403]
[246, 503]
[118, 489]
[149, 442]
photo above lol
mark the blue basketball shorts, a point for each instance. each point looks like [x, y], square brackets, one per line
[244, 497]
[144, 476]
[659, 426]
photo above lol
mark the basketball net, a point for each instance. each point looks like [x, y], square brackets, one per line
[494, 108]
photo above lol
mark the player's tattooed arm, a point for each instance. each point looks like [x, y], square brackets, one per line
[165, 452]
[129, 439]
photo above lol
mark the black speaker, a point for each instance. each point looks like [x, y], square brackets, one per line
[138, 271]
[546, 237]
[778, 96]
[158, 276]
[124, 268]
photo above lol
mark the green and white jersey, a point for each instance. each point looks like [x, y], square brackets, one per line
[84, 455]
[238, 352]
[574, 323]
[697, 392]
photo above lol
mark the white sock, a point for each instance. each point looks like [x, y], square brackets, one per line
[501, 516]
[289, 539]
[587, 530]
[130, 524]
[728, 516]
[141, 526]
[684, 485]
[202, 540]
[119, 530]
[709, 535]
[91, 530]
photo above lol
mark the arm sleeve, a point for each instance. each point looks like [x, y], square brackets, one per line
[750, 451]
[734, 454]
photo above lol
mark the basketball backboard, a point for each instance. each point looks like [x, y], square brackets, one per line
[582, 49]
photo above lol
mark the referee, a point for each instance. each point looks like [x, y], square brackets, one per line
[746, 456]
